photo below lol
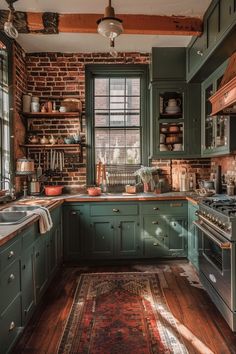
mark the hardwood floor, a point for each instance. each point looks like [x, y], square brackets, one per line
[202, 327]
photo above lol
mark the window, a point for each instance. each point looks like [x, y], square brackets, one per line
[116, 105]
[4, 110]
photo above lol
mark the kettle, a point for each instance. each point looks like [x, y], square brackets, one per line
[34, 187]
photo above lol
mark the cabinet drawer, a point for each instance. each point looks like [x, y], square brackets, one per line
[113, 209]
[10, 325]
[9, 285]
[169, 207]
[10, 254]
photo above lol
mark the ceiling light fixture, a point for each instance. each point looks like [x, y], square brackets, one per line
[9, 28]
[110, 26]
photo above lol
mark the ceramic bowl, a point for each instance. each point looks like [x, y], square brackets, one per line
[94, 191]
[69, 140]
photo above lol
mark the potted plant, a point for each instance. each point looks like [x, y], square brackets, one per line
[146, 175]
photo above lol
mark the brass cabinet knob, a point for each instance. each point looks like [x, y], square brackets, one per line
[155, 208]
[12, 326]
[11, 278]
[155, 222]
[115, 210]
[11, 254]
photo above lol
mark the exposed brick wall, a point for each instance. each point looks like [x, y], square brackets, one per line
[227, 163]
[58, 75]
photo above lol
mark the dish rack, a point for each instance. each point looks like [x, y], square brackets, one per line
[119, 176]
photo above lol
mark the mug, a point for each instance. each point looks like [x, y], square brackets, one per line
[62, 109]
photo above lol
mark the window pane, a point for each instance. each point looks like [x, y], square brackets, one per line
[133, 138]
[133, 156]
[117, 138]
[132, 118]
[117, 156]
[133, 87]
[117, 87]
[101, 138]
[101, 102]
[101, 87]
[117, 118]
[101, 118]
[132, 103]
[117, 102]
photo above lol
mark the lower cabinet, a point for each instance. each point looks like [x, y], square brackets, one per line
[75, 231]
[164, 226]
[114, 237]
[27, 264]
[194, 243]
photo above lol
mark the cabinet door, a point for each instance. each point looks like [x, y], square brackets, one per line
[27, 284]
[177, 231]
[74, 232]
[155, 237]
[41, 266]
[226, 14]
[193, 242]
[169, 110]
[127, 237]
[101, 237]
[52, 251]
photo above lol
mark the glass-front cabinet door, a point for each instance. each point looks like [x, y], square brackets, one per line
[217, 131]
[168, 119]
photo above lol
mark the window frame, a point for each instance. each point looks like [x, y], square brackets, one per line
[9, 45]
[115, 70]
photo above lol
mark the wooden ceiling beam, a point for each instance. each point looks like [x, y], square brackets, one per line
[48, 22]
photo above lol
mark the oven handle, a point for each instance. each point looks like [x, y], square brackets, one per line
[222, 245]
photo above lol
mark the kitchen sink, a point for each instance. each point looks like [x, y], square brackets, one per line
[22, 208]
[14, 217]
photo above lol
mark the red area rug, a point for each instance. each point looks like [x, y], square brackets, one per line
[120, 313]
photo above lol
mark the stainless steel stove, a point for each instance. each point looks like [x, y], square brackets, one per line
[219, 213]
[216, 226]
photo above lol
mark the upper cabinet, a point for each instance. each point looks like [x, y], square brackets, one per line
[218, 41]
[217, 131]
[168, 64]
[175, 106]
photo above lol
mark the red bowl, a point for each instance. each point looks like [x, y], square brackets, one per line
[53, 190]
[94, 191]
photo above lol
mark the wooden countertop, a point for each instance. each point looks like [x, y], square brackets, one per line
[8, 232]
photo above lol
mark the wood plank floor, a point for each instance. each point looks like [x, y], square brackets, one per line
[202, 327]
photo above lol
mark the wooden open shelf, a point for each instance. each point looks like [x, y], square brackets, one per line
[51, 114]
[51, 146]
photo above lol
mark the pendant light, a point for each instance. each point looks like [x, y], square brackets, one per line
[110, 26]
[9, 28]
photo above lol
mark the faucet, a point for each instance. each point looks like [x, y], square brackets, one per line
[11, 190]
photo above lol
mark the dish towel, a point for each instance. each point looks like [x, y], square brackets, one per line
[45, 220]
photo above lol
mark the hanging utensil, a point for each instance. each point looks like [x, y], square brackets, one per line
[39, 170]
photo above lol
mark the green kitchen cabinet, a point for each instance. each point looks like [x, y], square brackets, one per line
[206, 53]
[28, 300]
[101, 237]
[177, 235]
[175, 135]
[127, 237]
[10, 325]
[217, 131]
[168, 63]
[164, 229]
[41, 265]
[75, 231]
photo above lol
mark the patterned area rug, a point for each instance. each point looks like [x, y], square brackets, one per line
[120, 313]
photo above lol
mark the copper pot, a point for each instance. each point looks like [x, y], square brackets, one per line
[24, 166]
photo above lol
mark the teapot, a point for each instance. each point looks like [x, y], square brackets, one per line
[52, 140]
[33, 139]
[44, 140]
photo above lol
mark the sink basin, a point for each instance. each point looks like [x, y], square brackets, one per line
[22, 208]
[13, 217]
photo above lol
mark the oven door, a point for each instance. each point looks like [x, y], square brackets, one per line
[215, 260]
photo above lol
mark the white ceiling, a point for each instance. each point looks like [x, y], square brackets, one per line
[76, 42]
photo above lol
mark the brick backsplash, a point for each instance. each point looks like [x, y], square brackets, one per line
[227, 163]
[172, 168]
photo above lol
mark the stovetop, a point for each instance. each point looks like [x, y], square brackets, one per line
[225, 206]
